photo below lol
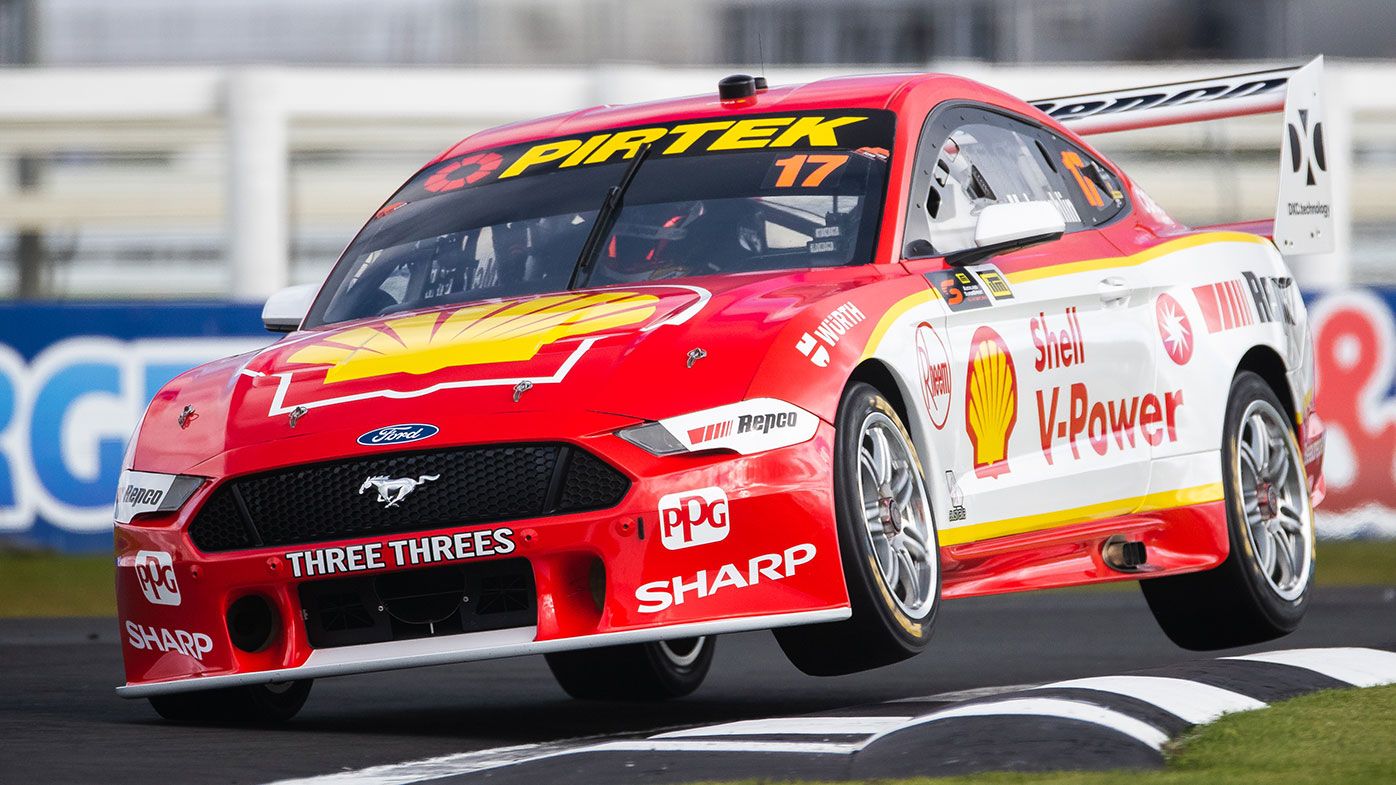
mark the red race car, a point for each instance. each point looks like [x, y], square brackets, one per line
[605, 385]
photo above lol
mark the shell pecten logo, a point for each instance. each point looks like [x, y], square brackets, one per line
[991, 401]
[484, 334]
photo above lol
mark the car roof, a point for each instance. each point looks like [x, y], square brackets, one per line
[875, 91]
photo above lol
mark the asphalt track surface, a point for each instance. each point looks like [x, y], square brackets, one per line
[61, 722]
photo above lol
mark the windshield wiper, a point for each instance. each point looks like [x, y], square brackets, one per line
[606, 218]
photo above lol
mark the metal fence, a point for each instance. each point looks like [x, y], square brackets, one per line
[231, 182]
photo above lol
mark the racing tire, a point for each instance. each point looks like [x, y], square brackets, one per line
[635, 672]
[887, 542]
[256, 704]
[1262, 589]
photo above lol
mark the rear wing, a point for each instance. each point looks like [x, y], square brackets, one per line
[1304, 213]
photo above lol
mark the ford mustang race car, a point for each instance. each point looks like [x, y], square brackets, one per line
[813, 359]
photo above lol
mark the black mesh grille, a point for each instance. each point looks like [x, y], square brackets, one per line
[220, 526]
[332, 501]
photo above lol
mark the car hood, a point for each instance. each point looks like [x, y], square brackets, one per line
[576, 361]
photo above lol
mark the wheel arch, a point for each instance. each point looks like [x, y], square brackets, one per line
[882, 375]
[878, 374]
[1265, 362]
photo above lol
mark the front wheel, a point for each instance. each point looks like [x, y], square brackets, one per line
[636, 672]
[256, 704]
[1262, 589]
[887, 540]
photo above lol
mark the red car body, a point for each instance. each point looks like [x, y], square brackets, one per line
[779, 565]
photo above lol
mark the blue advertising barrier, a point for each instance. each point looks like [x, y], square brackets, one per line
[75, 378]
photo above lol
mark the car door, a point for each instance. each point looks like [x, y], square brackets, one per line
[1053, 361]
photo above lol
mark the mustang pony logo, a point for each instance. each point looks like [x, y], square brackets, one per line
[483, 334]
[392, 491]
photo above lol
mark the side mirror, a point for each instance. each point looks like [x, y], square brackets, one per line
[1009, 226]
[286, 309]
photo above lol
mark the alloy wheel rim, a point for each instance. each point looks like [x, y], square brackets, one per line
[896, 515]
[683, 652]
[1275, 500]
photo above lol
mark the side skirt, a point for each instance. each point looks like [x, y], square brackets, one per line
[1176, 541]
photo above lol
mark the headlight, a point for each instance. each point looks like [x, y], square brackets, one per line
[138, 493]
[747, 427]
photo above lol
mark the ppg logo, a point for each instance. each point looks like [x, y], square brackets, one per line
[693, 518]
[156, 576]
[1306, 147]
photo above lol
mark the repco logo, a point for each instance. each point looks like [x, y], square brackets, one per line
[693, 518]
[135, 495]
[765, 423]
[156, 576]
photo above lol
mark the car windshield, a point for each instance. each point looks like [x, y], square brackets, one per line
[765, 192]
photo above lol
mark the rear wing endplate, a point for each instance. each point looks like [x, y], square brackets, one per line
[1304, 214]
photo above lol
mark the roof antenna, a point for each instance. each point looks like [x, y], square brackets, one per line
[761, 53]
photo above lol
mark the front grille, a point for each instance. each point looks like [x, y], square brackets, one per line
[422, 603]
[331, 501]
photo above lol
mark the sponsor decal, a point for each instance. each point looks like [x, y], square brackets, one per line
[494, 344]
[991, 401]
[1355, 352]
[1306, 152]
[1069, 412]
[1126, 423]
[994, 281]
[156, 576]
[766, 422]
[1174, 329]
[716, 135]
[691, 518]
[484, 334]
[1228, 304]
[831, 330]
[140, 492]
[745, 427]
[392, 490]
[1057, 345]
[657, 596]
[933, 364]
[398, 434]
[402, 552]
[957, 498]
[707, 433]
[1275, 298]
[459, 171]
[165, 641]
[1225, 305]
[960, 289]
[1067, 110]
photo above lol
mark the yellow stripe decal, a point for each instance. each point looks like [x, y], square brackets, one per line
[1066, 268]
[1162, 500]
[1162, 249]
[891, 315]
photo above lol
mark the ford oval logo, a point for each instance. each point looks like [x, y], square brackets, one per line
[398, 434]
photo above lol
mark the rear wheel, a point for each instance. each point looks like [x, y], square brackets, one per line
[639, 671]
[255, 704]
[1262, 589]
[887, 540]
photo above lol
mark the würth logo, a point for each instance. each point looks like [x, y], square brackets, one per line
[826, 336]
[1306, 147]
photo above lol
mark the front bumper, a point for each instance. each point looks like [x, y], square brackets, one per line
[777, 564]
